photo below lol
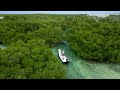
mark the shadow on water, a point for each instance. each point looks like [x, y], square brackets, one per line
[78, 68]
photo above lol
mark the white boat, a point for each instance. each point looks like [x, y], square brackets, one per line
[62, 56]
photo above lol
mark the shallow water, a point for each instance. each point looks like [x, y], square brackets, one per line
[82, 69]
[2, 46]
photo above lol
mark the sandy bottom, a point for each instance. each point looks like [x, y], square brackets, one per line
[82, 69]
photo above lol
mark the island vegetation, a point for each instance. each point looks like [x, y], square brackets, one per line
[29, 39]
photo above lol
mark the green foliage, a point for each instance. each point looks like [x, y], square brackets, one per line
[98, 42]
[28, 55]
[29, 37]
[30, 60]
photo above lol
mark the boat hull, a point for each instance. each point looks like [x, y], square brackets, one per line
[62, 57]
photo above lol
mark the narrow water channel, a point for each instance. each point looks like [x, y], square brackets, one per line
[82, 69]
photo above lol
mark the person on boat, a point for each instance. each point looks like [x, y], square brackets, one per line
[62, 53]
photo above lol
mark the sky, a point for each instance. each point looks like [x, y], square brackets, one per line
[59, 12]
[98, 13]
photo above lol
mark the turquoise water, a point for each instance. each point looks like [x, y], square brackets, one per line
[82, 69]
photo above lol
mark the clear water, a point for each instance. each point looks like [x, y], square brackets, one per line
[82, 69]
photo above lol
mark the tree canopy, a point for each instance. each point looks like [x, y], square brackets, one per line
[32, 60]
[28, 54]
[97, 41]
[29, 38]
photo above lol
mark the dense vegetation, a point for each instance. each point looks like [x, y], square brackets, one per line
[29, 38]
[96, 40]
[30, 60]
[28, 54]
